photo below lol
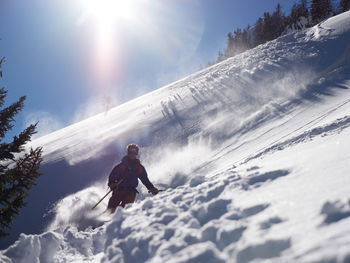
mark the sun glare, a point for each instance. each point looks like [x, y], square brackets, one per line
[107, 12]
[118, 29]
[107, 18]
[108, 15]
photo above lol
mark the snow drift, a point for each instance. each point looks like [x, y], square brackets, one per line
[252, 154]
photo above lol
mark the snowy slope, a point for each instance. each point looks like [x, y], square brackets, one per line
[252, 154]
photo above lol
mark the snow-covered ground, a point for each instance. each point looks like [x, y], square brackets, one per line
[253, 155]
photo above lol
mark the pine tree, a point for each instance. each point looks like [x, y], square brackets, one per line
[229, 52]
[247, 38]
[320, 9]
[304, 11]
[238, 37]
[299, 12]
[237, 42]
[258, 32]
[267, 28]
[278, 22]
[220, 57]
[18, 169]
[344, 5]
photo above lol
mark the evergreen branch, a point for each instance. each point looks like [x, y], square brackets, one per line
[3, 93]
[2, 60]
[7, 116]
[7, 150]
[16, 176]
[19, 181]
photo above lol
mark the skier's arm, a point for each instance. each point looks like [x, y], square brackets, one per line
[114, 177]
[144, 179]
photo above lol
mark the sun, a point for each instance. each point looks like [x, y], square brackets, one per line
[107, 19]
[109, 12]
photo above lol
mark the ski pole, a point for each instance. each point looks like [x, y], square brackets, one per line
[107, 194]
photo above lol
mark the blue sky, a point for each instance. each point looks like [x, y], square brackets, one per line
[72, 59]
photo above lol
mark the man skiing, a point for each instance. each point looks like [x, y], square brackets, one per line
[123, 179]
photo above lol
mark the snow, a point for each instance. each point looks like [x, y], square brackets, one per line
[252, 154]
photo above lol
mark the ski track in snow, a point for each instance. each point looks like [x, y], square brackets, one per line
[252, 154]
[335, 127]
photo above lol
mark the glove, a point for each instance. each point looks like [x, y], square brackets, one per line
[112, 186]
[153, 190]
[115, 184]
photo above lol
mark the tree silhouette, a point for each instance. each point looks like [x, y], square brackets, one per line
[344, 5]
[320, 9]
[18, 168]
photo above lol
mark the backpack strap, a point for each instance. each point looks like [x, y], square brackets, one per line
[139, 169]
[122, 169]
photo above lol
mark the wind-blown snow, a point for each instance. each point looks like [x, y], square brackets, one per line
[252, 154]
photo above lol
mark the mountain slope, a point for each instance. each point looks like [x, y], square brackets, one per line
[252, 153]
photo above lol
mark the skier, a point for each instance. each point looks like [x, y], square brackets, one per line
[123, 179]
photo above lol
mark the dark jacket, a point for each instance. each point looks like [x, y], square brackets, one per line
[130, 171]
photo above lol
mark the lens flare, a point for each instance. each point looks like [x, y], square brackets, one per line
[107, 19]
[124, 32]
